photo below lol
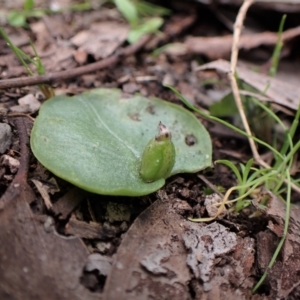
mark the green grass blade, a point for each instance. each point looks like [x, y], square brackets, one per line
[128, 10]
[285, 230]
[16, 50]
[233, 168]
[277, 50]
[223, 122]
[247, 169]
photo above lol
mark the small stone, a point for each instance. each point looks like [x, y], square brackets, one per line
[211, 206]
[5, 137]
[10, 162]
[103, 247]
[100, 263]
[30, 102]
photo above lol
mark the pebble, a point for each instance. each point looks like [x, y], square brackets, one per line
[30, 102]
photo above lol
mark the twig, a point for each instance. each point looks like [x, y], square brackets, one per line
[210, 185]
[67, 74]
[233, 63]
[13, 115]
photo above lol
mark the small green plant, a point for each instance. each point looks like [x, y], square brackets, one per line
[18, 18]
[143, 17]
[227, 106]
[26, 60]
[277, 179]
[277, 50]
[245, 183]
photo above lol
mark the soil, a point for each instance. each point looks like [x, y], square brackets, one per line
[60, 242]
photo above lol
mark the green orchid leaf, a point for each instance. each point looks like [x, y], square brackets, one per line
[96, 140]
[149, 26]
[128, 10]
[224, 108]
[28, 4]
[16, 19]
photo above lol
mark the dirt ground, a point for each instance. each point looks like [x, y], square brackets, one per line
[60, 242]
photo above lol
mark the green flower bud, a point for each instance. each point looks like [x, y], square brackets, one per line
[158, 157]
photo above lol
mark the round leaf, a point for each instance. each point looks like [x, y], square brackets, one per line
[95, 140]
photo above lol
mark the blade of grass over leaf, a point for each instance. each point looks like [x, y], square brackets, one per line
[232, 166]
[223, 122]
[142, 16]
[277, 50]
[149, 26]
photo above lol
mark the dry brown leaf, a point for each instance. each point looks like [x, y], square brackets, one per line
[102, 39]
[153, 258]
[150, 261]
[278, 91]
[35, 262]
[220, 46]
[279, 5]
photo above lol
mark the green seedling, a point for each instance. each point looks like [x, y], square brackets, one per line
[129, 11]
[18, 18]
[227, 108]
[277, 178]
[143, 17]
[277, 50]
[244, 181]
[148, 26]
[283, 158]
[26, 59]
[147, 9]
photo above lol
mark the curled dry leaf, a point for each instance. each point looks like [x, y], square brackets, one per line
[280, 92]
[155, 256]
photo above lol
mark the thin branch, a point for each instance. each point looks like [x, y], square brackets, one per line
[233, 63]
[234, 57]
